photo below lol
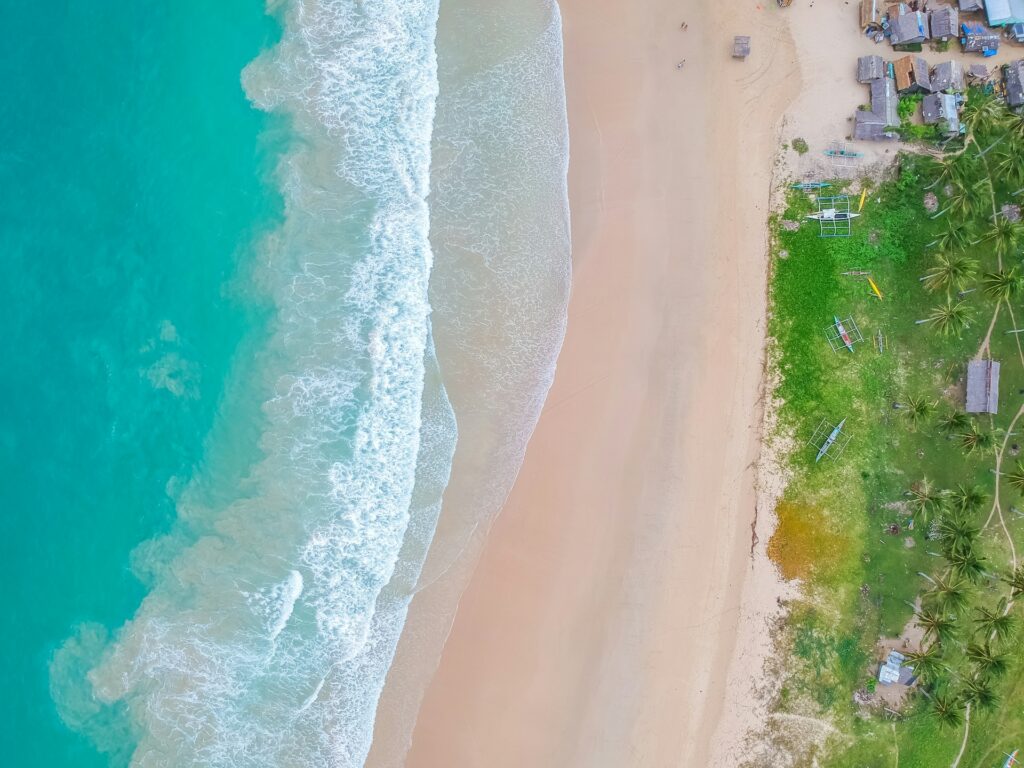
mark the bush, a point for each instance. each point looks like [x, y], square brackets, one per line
[800, 146]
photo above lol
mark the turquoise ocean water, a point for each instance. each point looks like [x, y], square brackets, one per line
[228, 243]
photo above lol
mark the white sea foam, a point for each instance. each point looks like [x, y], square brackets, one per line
[261, 642]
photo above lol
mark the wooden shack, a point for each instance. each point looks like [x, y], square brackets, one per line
[982, 386]
[740, 46]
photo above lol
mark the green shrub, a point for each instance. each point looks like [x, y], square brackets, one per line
[800, 146]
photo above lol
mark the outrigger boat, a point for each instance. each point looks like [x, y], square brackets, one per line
[833, 436]
[1011, 760]
[809, 185]
[832, 214]
[843, 153]
[841, 330]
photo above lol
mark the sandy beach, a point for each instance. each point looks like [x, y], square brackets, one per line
[601, 625]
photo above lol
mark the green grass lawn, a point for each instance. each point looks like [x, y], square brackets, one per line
[860, 581]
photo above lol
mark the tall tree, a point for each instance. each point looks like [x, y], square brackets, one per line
[1002, 285]
[988, 662]
[974, 439]
[924, 500]
[995, 622]
[936, 625]
[967, 498]
[978, 691]
[952, 271]
[1016, 477]
[953, 421]
[949, 593]
[951, 317]
[1016, 581]
[947, 709]
[927, 663]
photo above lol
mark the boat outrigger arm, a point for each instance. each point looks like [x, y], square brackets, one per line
[829, 441]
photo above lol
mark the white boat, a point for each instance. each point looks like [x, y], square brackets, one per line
[831, 214]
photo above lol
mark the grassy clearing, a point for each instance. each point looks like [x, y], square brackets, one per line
[859, 532]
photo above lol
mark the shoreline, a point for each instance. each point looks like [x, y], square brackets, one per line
[573, 644]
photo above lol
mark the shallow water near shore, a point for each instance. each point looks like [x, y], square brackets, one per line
[223, 501]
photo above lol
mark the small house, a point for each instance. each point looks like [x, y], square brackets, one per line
[982, 386]
[912, 75]
[944, 23]
[740, 46]
[942, 109]
[948, 77]
[970, 6]
[1003, 12]
[894, 670]
[1013, 78]
[908, 28]
[977, 73]
[871, 13]
[977, 38]
[870, 68]
[1016, 32]
[878, 123]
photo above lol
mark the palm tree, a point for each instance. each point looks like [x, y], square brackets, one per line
[1016, 477]
[917, 410]
[963, 202]
[995, 621]
[987, 661]
[957, 533]
[1011, 158]
[967, 498]
[1005, 235]
[950, 317]
[967, 563]
[935, 625]
[1002, 285]
[953, 421]
[978, 691]
[924, 499]
[973, 439]
[927, 663]
[982, 114]
[1016, 582]
[955, 239]
[952, 168]
[950, 271]
[947, 709]
[949, 593]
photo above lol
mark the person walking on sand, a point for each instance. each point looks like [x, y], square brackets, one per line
[680, 64]
[684, 25]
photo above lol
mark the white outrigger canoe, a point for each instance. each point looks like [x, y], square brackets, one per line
[831, 214]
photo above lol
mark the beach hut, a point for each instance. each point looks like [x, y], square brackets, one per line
[1016, 32]
[982, 386]
[1013, 78]
[971, 6]
[1003, 12]
[977, 73]
[977, 38]
[948, 77]
[912, 75]
[942, 109]
[908, 28]
[871, 13]
[893, 670]
[870, 68]
[944, 22]
[740, 47]
[876, 124]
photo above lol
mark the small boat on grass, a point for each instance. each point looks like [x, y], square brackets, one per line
[832, 214]
[843, 333]
[829, 441]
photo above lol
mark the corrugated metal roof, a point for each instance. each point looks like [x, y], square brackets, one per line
[982, 386]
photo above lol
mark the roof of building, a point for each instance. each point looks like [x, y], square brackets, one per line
[1013, 75]
[1003, 12]
[893, 671]
[870, 68]
[977, 72]
[941, 109]
[945, 21]
[871, 12]
[982, 386]
[885, 101]
[971, 5]
[911, 74]
[977, 37]
[948, 76]
[909, 28]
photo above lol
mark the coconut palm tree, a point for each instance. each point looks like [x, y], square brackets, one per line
[978, 691]
[974, 439]
[967, 563]
[949, 594]
[967, 498]
[936, 625]
[927, 663]
[1010, 166]
[951, 271]
[996, 621]
[983, 114]
[1002, 285]
[917, 410]
[924, 499]
[964, 202]
[1016, 581]
[955, 239]
[1016, 477]
[953, 421]
[1005, 236]
[951, 317]
[957, 533]
[947, 709]
[954, 169]
[987, 661]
